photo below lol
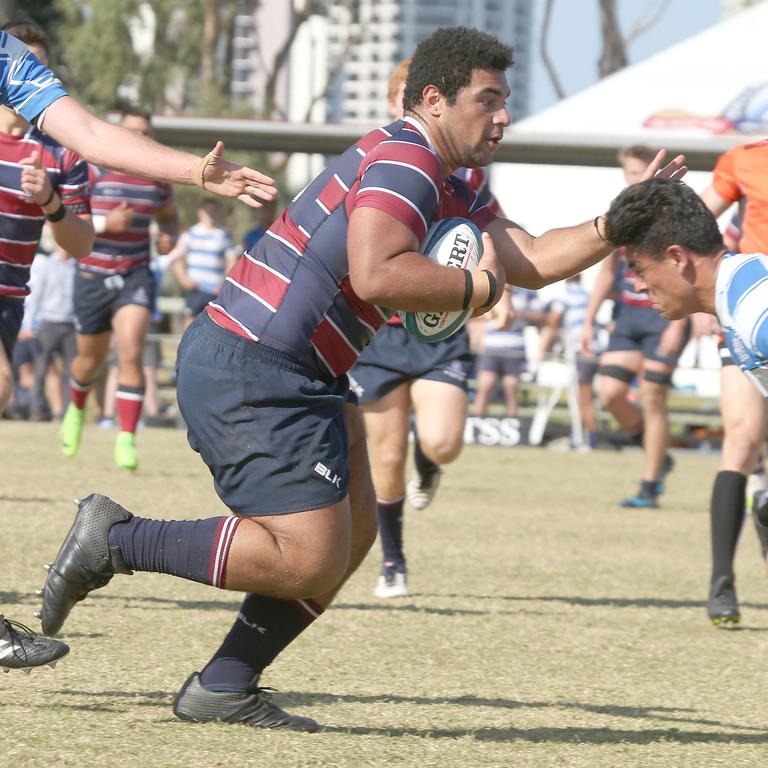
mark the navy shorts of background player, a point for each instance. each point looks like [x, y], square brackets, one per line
[395, 357]
[98, 296]
[640, 329]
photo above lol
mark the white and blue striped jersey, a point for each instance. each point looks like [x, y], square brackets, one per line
[741, 303]
[511, 339]
[207, 252]
[572, 301]
[26, 85]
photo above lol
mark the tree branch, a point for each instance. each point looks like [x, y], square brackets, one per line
[548, 65]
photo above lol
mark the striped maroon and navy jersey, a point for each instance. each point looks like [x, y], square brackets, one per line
[478, 180]
[626, 282]
[292, 291]
[21, 218]
[115, 253]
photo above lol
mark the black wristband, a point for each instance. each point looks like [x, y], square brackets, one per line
[599, 234]
[57, 215]
[491, 289]
[50, 197]
[468, 288]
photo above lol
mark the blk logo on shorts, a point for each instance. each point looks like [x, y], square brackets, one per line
[328, 474]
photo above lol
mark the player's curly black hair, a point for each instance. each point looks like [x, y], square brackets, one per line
[654, 214]
[447, 59]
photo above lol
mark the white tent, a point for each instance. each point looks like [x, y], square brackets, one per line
[699, 76]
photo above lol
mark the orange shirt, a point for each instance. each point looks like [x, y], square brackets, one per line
[742, 172]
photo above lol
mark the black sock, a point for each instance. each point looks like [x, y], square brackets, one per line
[727, 517]
[760, 509]
[390, 515]
[263, 628]
[648, 489]
[424, 465]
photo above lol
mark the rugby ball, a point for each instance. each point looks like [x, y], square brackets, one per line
[452, 242]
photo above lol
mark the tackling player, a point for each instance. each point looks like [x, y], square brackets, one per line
[738, 176]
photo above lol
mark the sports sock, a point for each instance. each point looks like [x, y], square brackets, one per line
[424, 465]
[263, 628]
[760, 510]
[390, 515]
[129, 401]
[192, 549]
[727, 517]
[78, 393]
[648, 489]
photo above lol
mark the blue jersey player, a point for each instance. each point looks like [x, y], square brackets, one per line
[262, 374]
[677, 250]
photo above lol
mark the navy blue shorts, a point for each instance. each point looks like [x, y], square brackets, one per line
[196, 301]
[586, 369]
[503, 362]
[272, 434]
[395, 357]
[11, 315]
[639, 329]
[98, 297]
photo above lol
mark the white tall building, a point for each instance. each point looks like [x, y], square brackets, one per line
[365, 45]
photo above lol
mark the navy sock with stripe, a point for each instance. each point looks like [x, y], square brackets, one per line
[424, 465]
[263, 628]
[390, 514]
[192, 549]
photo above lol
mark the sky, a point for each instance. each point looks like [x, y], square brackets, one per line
[574, 40]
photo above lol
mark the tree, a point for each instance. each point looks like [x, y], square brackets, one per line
[614, 55]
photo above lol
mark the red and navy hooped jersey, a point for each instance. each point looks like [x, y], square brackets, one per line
[116, 253]
[478, 179]
[21, 218]
[292, 291]
[626, 283]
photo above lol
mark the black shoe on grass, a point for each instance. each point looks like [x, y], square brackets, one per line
[760, 515]
[21, 648]
[723, 607]
[253, 707]
[85, 561]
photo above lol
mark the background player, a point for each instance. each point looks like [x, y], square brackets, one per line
[503, 355]
[397, 375]
[115, 291]
[642, 344]
[202, 258]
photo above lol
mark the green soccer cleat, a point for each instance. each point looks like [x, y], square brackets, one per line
[125, 451]
[71, 429]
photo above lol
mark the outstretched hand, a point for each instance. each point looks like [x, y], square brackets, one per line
[228, 179]
[675, 169]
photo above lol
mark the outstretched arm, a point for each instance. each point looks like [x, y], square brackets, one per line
[112, 146]
[532, 262]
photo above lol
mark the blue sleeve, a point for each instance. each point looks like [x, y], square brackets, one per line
[26, 85]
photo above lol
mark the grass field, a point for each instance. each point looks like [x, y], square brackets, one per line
[547, 627]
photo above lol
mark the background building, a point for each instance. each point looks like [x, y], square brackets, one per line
[367, 42]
